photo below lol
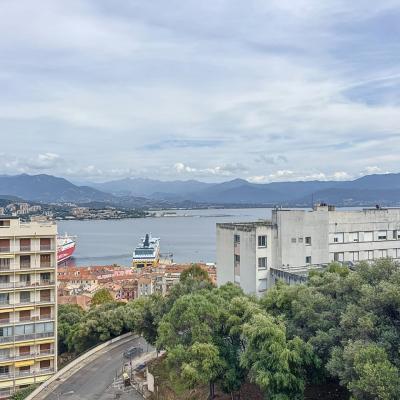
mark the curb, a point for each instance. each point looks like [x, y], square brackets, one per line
[75, 362]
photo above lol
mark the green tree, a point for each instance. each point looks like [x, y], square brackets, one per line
[194, 272]
[101, 296]
[274, 363]
[69, 315]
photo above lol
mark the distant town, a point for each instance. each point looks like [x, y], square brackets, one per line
[67, 211]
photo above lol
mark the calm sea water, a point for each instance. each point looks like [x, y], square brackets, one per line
[189, 236]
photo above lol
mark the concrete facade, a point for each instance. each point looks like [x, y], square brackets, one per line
[28, 303]
[254, 254]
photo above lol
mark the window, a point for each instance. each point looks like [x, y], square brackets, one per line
[25, 315]
[25, 244]
[6, 331]
[45, 244]
[382, 235]
[4, 279]
[339, 257]
[397, 252]
[44, 364]
[308, 260]
[45, 260]
[300, 240]
[370, 255]
[237, 258]
[354, 256]
[5, 223]
[262, 285]
[4, 264]
[24, 350]
[368, 236]
[293, 240]
[4, 298]
[5, 318]
[308, 240]
[24, 329]
[337, 237]
[5, 245]
[25, 278]
[262, 263]
[25, 261]
[24, 297]
[236, 238]
[4, 369]
[353, 237]
[382, 253]
[262, 241]
[4, 354]
[45, 312]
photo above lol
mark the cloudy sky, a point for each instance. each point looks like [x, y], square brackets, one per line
[265, 90]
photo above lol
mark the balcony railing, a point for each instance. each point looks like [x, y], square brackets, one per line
[29, 336]
[4, 267]
[16, 374]
[5, 304]
[5, 249]
[25, 284]
[25, 248]
[46, 247]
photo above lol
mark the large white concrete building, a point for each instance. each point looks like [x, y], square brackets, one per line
[28, 303]
[255, 254]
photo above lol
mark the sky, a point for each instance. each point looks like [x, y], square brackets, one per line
[272, 90]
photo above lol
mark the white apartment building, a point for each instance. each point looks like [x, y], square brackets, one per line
[28, 303]
[254, 254]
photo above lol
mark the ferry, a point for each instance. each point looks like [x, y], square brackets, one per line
[147, 253]
[65, 247]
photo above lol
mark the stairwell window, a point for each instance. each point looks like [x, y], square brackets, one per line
[308, 240]
[262, 241]
[308, 260]
[262, 263]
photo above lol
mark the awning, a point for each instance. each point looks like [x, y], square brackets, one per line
[4, 311]
[26, 363]
[25, 308]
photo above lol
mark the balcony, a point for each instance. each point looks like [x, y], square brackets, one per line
[46, 247]
[4, 267]
[46, 265]
[18, 374]
[5, 249]
[25, 248]
[28, 336]
[43, 300]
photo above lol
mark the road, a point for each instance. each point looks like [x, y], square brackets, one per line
[94, 380]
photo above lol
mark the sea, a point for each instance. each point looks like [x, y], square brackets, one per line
[190, 235]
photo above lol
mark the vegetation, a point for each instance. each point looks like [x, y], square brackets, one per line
[341, 326]
[23, 393]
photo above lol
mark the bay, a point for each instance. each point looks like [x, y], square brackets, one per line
[190, 235]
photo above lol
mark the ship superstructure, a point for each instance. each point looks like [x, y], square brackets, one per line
[147, 253]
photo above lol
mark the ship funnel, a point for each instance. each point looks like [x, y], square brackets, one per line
[146, 241]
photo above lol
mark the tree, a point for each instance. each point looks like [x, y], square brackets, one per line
[194, 272]
[275, 364]
[69, 315]
[101, 296]
[365, 370]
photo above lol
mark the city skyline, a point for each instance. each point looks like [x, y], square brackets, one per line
[100, 90]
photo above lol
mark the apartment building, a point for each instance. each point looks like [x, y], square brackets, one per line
[254, 254]
[28, 309]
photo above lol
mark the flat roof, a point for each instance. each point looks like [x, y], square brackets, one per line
[9, 217]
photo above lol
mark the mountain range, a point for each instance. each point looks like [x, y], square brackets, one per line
[383, 189]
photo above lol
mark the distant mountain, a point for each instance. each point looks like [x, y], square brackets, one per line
[140, 192]
[150, 187]
[47, 188]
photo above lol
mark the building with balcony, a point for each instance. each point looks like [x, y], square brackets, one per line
[255, 254]
[28, 309]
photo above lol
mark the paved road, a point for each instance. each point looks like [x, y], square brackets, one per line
[94, 380]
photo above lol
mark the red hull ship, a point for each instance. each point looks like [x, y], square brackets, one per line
[65, 247]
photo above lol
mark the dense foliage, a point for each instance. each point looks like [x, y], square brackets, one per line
[342, 325]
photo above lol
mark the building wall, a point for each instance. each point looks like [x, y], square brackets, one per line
[300, 239]
[28, 303]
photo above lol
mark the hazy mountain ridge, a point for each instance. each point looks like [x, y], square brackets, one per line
[141, 192]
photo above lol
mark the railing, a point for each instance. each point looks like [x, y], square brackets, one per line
[14, 285]
[22, 303]
[5, 249]
[4, 267]
[30, 336]
[16, 374]
[22, 356]
[25, 248]
[46, 247]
